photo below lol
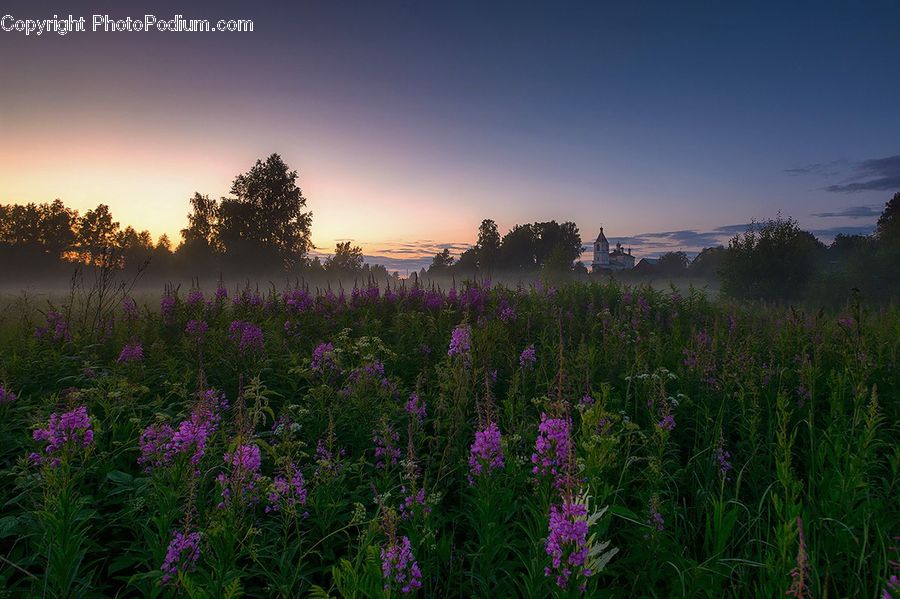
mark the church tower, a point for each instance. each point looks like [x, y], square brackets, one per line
[601, 252]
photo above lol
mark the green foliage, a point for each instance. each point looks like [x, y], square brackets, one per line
[803, 403]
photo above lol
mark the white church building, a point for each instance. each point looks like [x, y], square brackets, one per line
[618, 259]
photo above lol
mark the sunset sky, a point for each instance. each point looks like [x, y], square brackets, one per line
[672, 124]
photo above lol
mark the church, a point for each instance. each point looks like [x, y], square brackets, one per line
[618, 259]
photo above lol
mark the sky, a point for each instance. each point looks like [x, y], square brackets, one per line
[672, 125]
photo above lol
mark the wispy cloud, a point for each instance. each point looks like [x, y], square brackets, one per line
[854, 212]
[874, 174]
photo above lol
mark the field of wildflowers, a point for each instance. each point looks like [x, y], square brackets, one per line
[587, 440]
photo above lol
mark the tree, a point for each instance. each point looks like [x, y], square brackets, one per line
[672, 263]
[97, 235]
[887, 230]
[467, 261]
[265, 219]
[517, 250]
[346, 259]
[441, 261]
[488, 245]
[707, 262]
[771, 261]
[202, 222]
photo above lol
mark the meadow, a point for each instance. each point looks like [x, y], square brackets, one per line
[589, 439]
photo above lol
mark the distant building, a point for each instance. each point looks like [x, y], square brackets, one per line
[618, 259]
[647, 264]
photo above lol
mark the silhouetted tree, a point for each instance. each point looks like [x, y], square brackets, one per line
[265, 219]
[772, 260]
[346, 259]
[488, 245]
[441, 261]
[517, 250]
[672, 263]
[97, 234]
[887, 230]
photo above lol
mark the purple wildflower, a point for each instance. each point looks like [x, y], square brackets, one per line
[57, 328]
[460, 341]
[247, 336]
[667, 422]
[506, 312]
[415, 406]
[586, 401]
[69, 430]
[240, 482]
[528, 357]
[288, 490]
[486, 452]
[129, 307]
[181, 556]
[722, 457]
[196, 329]
[387, 448]
[6, 396]
[567, 542]
[167, 307]
[131, 352]
[328, 462]
[413, 502]
[551, 449]
[398, 566]
[323, 357]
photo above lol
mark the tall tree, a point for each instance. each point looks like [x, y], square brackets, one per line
[888, 227]
[441, 261]
[346, 259]
[266, 215]
[202, 222]
[488, 246]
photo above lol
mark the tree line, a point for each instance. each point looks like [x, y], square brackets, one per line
[262, 227]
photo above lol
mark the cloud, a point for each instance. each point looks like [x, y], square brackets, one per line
[855, 212]
[821, 169]
[874, 174]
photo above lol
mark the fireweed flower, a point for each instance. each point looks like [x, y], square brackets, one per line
[247, 336]
[328, 462]
[387, 448]
[399, 567]
[6, 396]
[528, 357]
[221, 293]
[666, 423]
[65, 432]
[413, 502]
[196, 329]
[131, 352]
[656, 522]
[506, 313]
[567, 542]
[288, 490]
[551, 449]
[241, 481]
[323, 358]
[486, 452]
[57, 328]
[722, 457]
[167, 308]
[298, 300]
[161, 444]
[800, 574]
[586, 401]
[181, 556]
[195, 298]
[415, 406]
[460, 341]
[129, 307]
